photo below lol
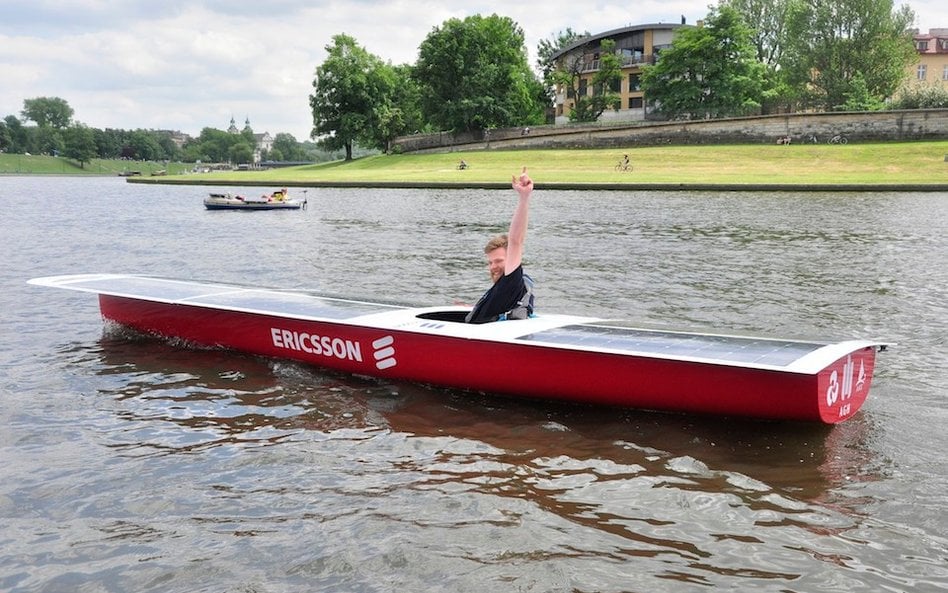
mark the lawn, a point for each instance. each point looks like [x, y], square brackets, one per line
[877, 163]
[21, 164]
[904, 163]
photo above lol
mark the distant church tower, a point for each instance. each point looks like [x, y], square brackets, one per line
[247, 127]
[233, 126]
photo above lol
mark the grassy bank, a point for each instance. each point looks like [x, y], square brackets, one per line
[888, 163]
[909, 163]
[20, 164]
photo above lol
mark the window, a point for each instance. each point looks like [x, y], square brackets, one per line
[582, 88]
[921, 45]
[944, 72]
[635, 82]
[920, 73]
[635, 102]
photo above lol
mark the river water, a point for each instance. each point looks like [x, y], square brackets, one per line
[131, 464]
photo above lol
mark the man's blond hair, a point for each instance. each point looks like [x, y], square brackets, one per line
[496, 242]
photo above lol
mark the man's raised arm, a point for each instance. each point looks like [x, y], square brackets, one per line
[518, 223]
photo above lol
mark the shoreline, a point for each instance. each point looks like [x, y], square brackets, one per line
[568, 186]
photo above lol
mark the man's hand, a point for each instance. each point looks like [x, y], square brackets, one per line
[523, 185]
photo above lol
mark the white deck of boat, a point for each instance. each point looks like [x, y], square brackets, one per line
[564, 331]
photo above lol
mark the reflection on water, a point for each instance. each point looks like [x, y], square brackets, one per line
[691, 498]
[238, 399]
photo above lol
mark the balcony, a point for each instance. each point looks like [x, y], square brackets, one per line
[627, 62]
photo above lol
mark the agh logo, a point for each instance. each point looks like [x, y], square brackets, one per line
[384, 353]
[841, 388]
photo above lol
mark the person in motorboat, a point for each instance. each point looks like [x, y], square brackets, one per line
[511, 295]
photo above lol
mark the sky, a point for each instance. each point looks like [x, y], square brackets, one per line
[190, 64]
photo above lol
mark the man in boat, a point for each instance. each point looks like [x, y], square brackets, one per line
[511, 295]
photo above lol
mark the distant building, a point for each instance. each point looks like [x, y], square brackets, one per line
[636, 45]
[932, 64]
[263, 143]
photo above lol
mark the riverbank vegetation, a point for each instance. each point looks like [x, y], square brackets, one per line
[29, 164]
[906, 163]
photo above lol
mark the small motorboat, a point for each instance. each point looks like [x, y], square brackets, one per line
[278, 200]
[557, 357]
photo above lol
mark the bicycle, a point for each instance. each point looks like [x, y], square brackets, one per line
[624, 165]
[812, 139]
[839, 139]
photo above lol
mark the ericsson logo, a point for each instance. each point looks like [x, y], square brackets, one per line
[384, 353]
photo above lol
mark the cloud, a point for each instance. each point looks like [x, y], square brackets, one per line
[190, 64]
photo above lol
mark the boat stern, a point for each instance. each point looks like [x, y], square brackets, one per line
[844, 385]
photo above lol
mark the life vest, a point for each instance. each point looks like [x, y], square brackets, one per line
[521, 310]
[524, 306]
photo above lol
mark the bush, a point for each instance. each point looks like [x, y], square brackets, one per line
[920, 96]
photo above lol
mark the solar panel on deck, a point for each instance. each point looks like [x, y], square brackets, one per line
[230, 297]
[170, 290]
[291, 304]
[709, 347]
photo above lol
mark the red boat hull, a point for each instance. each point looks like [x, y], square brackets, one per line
[832, 395]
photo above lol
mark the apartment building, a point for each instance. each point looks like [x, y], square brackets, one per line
[637, 46]
[932, 64]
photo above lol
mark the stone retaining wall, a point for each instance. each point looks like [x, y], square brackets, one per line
[874, 126]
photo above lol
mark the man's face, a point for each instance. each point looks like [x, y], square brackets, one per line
[496, 260]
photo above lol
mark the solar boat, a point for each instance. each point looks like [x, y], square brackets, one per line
[548, 356]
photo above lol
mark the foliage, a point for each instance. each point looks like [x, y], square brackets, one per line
[79, 144]
[476, 76]
[546, 49]
[47, 111]
[709, 71]
[12, 135]
[832, 44]
[858, 98]
[46, 140]
[399, 113]
[240, 152]
[920, 96]
[142, 145]
[213, 146]
[768, 22]
[285, 148]
[350, 87]
[604, 83]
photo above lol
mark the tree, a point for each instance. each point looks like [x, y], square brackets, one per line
[546, 49]
[286, 148]
[17, 135]
[348, 87]
[709, 71]
[858, 98]
[109, 142]
[212, 146]
[832, 44]
[401, 113]
[45, 140]
[144, 146]
[768, 20]
[476, 76]
[47, 111]
[240, 152]
[604, 82]
[79, 144]
[6, 138]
